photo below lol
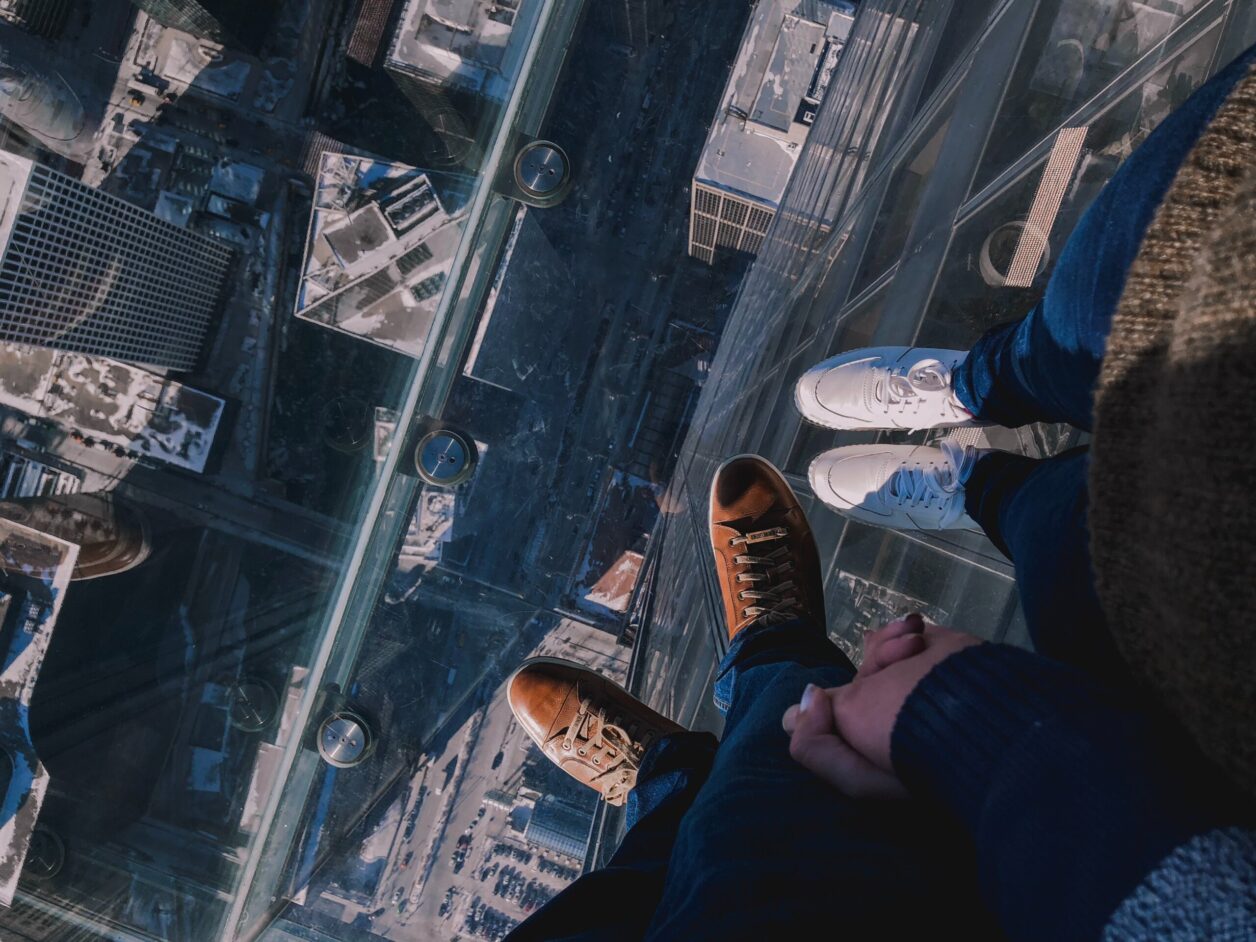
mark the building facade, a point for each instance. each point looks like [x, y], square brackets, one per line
[722, 220]
[243, 24]
[455, 60]
[378, 252]
[86, 272]
[788, 56]
[41, 17]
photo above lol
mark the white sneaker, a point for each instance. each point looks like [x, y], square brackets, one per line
[908, 487]
[884, 388]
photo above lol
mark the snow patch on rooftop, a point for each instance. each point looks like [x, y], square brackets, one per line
[614, 590]
[111, 402]
[237, 180]
[784, 65]
[378, 253]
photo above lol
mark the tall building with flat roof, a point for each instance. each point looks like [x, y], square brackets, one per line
[467, 45]
[378, 253]
[244, 24]
[35, 572]
[788, 56]
[86, 272]
[557, 825]
[456, 60]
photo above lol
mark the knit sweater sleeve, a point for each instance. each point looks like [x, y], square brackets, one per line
[1074, 796]
[1205, 889]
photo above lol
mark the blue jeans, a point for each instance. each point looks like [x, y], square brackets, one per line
[1044, 368]
[739, 842]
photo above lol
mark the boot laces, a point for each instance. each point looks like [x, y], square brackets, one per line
[902, 389]
[773, 597]
[941, 485]
[611, 743]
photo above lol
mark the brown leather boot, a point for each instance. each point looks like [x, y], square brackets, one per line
[765, 556]
[591, 727]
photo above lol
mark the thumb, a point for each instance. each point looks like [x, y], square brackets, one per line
[816, 745]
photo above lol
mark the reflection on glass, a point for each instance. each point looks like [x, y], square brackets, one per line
[898, 208]
[276, 583]
[878, 579]
[964, 21]
[1074, 50]
[975, 290]
[206, 453]
[456, 61]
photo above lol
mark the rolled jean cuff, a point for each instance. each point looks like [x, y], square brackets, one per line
[988, 383]
[674, 764]
[797, 641]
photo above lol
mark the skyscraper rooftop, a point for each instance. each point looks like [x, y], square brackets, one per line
[782, 71]
[111, 403]
[378, 253]
[787, 60]
[469, 45]
[86, 272]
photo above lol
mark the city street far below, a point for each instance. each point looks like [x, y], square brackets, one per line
[350, 347]
[353, 352]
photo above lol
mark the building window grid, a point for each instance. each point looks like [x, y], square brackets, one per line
[140, 261]
[152, 239]
[58, 227]
[760, 219]
[706, 200]
[724, 221]
[52, 265]
[727, 236]
[734, 211]
[150, 230]
[68, 294]
[111, 206]
[704, 231]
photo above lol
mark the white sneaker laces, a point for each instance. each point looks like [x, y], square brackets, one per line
[901, 389]
[941, 485]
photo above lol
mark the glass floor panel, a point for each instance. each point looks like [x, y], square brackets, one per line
[353, 351]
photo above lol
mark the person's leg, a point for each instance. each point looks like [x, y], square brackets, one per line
[617, 902]
[1035, 512]
[767, 850]
[1044, 367]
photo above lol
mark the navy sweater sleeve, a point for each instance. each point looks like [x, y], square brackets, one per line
[1073, 794]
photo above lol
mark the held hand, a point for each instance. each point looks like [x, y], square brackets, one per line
[843, 734]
